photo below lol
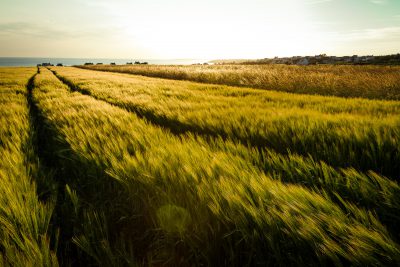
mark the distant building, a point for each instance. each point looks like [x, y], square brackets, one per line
[303, 61]
[113, 63]
[347, 59]
[324, 59]
[355, 59]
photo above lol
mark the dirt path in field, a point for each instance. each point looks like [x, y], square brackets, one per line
[45, 183]
[51, 184]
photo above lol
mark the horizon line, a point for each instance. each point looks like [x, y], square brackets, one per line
[250, 58]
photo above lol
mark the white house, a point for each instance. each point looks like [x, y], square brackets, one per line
[303, 61]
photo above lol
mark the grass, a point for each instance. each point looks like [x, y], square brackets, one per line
[160, 172]
[25, 230]
[374, 82]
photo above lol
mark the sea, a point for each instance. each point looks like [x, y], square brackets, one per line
[33, 61]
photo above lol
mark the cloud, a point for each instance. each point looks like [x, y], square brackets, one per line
[316, 2]
[24, 28]
[375, 34]
[385, 34]
[378, 2]
[49, 32]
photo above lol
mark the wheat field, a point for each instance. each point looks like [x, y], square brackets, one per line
[117, 169]
[373, 82]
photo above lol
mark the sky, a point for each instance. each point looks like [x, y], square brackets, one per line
[202, 29]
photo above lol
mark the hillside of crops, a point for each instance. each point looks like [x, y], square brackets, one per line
[111, 169]
[373, 82]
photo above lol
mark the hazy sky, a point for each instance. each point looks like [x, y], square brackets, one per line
[203, 29]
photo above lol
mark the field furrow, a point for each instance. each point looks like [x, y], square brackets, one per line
[363, 134]
[179, 200]
[25, 211]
